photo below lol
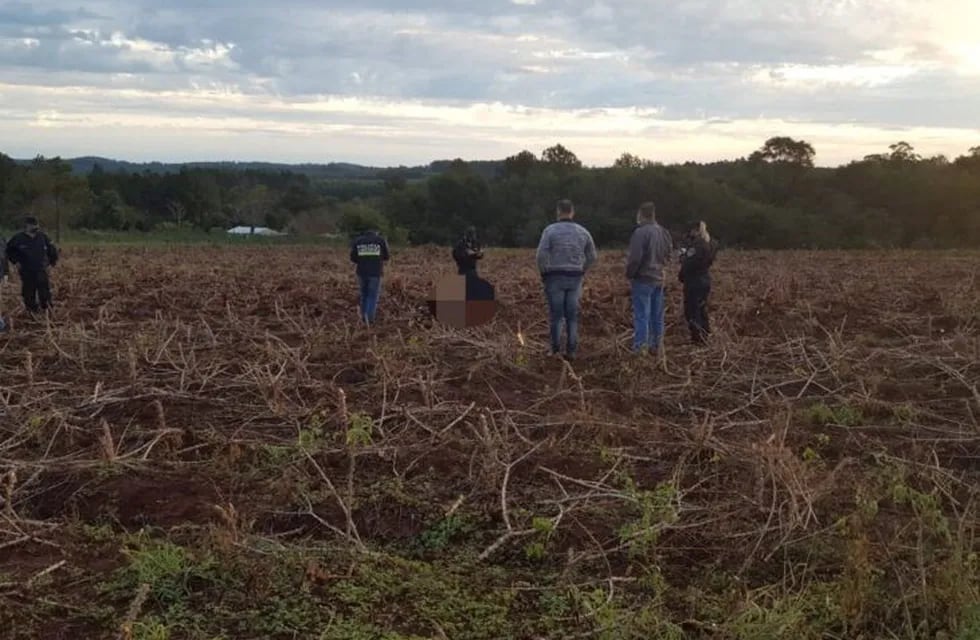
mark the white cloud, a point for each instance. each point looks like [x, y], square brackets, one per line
[233, 124]
[530, 68]
[579, 54]
[820, 77]
[487, 76]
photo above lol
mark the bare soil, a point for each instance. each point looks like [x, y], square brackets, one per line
[818, 462]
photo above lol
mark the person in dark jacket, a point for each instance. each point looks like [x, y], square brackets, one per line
[4, 268]
[4, 262]
[467, 252]
[33, 253]
[697, 256]
[369, 251]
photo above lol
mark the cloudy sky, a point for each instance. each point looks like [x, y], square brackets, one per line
[409, 81]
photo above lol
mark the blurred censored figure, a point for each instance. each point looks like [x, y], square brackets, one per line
[467, 252]
[565, 253]
[33, 253]
[651, 248]
[697, 256]
[369, 251]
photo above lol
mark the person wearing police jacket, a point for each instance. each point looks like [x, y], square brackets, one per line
[697, 256]
[33, 253]
[369, 251]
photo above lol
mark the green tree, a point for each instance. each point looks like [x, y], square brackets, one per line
[48, 190]
[456, 199]
[519, 165]
[358, 217]
[560, 157]
[409, 208]
[249, 204]
[109, 211]
[903, 152]
[199, 196]
[971, 161]
[630, 161]
[9, 172]
[786, 150]
[299, 197]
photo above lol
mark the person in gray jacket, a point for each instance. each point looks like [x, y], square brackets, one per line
[651, 248]
[565, 252]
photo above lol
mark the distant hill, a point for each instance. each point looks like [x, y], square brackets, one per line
[329, 171]
[338, 170]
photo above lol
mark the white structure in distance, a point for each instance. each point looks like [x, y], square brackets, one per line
[256, 231]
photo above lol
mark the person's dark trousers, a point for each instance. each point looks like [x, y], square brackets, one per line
[370, 293]
[696, 292]
[36, 290]
[467, 272]
[563, 294]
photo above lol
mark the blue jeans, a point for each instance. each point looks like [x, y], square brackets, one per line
[648, 315]
[370, 292]
[563, 293]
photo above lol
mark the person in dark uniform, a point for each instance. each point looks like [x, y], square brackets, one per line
[4, 268]
[369, 251]
[467, 252]
[33, 253]
[697, 256]
[4, 262]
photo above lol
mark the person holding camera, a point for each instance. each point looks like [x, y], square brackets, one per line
[697, 257]
[467, 252]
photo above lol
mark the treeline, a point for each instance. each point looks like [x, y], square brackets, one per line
[774, 198]
[332, 170]
[207, 199]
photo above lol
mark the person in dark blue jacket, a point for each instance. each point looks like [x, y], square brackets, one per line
[4, 267]
[697, 256]
[4, 262]
[33, 252]
[369, 251]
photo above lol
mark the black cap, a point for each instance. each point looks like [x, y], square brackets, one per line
[31, 221]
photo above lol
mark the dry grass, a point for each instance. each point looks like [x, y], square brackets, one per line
[814, 470]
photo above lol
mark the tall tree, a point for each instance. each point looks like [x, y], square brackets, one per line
[903, 152]
[784, 149]
[519, 165]
[630, 161]
[49, 190]
[559, 156]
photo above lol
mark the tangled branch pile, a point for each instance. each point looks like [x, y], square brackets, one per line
[203, 443]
